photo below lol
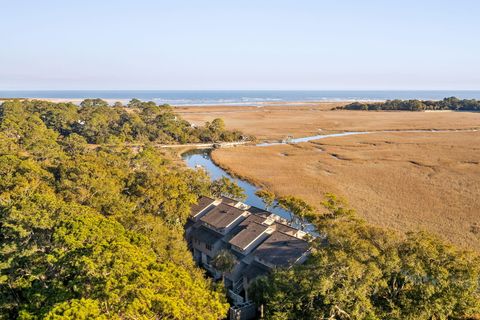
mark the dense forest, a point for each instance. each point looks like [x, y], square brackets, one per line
[452, 103]
[97, 232]
[358, 271]
[137, 122]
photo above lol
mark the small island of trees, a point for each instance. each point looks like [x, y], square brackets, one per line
[452, 104]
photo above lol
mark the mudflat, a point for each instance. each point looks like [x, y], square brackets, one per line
[276, 121]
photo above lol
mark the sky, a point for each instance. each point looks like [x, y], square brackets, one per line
[247, 44]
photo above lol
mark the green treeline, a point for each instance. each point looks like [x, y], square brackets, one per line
[97, 233]
[358, 271]
[451, 103]
[138, 122]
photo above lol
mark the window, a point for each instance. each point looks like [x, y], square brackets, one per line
[208, 247]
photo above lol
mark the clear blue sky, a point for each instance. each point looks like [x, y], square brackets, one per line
[227, 44]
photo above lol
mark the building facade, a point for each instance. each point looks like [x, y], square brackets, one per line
[259, 240]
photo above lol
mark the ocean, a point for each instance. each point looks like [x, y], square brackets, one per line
[238, 97]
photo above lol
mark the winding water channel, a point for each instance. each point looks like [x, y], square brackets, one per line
[201, 158]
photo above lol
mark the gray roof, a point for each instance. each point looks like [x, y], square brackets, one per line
[202, 204]
[258, 211]
[222, 216]
[281, 250]
[285, 229]
[229, 201]
[251, 218]
[251, 232]
[205, 235]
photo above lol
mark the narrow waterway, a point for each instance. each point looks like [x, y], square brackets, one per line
[201, 158]
[351, 133]
[310, 138]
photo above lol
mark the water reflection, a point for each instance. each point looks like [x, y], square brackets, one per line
[310, 138]
[197, 158]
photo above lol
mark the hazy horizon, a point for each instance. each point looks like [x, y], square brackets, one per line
[240, 97]
[252, 45]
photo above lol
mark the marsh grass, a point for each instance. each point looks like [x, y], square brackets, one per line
[404, 181]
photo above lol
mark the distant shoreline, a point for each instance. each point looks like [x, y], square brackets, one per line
[198, 105]
[259, 98]
[239, 98]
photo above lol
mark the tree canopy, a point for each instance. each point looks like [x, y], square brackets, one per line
[300, 211]
[267, 197]
[94, 232]
[99, 123]
[451, 103]
[228, 188]
[224, 261]
[358, 271]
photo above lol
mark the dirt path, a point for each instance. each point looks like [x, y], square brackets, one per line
[174, 146]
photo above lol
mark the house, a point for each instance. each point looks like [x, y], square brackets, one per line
[259, 240]
[281, 250]
[253, 233]
[203, 205]
[223, 218]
